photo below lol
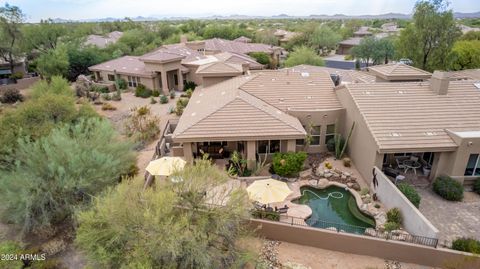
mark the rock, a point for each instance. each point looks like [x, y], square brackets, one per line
[336, 170]
[305, 174]
[331, 229]
[370, 232]
[323, 182]
[364, 207]
[347, 174]
[327, 175]
[313, 182]
[356, 186]
[320, 173]
[350, 185]
[343, 177]
[380, 219]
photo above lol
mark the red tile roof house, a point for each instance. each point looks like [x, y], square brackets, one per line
[435, 121]
[170, 66]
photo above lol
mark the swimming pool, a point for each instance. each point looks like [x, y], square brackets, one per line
[334, 207]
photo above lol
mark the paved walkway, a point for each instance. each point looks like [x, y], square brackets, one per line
[452, 219]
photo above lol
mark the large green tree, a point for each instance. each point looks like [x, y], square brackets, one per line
[54, 62]
[54, 175]
[43, 36]
[193, 223]
[429, 39]
[304, 55]
[324, 39]
[11, 18]
[465, 55]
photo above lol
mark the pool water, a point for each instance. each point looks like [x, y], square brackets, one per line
[334, 207]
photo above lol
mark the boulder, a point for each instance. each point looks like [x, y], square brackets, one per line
[305, 174]
[370, 232]
[320, 173]
[323, 182]
[327, 175]
[343, 177]
[356, 186]
[347, 174]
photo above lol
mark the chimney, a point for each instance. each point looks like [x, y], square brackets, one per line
[183, 39]
[439, 82]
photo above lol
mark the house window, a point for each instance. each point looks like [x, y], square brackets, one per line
[111, 77]
[473, 166]
[175, 78]
[330, 132]
[268, 146]
[315, 134]
[133, 81]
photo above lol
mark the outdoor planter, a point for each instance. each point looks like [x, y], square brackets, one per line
[426, 170]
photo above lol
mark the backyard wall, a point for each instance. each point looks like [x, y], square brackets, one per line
[362, 245]
[413, 221]
[21, 84]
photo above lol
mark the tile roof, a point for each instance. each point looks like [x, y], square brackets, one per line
[237, 58]
[161, 56]
[220, 67]
[398, 71]
[411, 117]
[103, 41]
[218, 44]
[354, 41]
[288, 90]
[347, 76]
[472, 74]
[182, 49]
[243, 39]
[234, 114]
[128, 65]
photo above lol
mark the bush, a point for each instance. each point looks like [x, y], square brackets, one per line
[155, 93]
[411, 193]
[172, 94]
[288, 164]
[142, 125]
[181, 105]
[163, 99]
[448, 188]
[476, 186]
[11, 96]
[269, 215]
[106, 96]
[142, 91]
[331, 144]
[71, 165]
[121, 83]
[390, 226]
[152, 100]
[16, 75]
[117, 96]
[261, 57]
[467, 245]
[189, 93]
[364, 191]
[348, 57]
[108, 106]
[189, 85]
[57, 85]
[347, 162]
[394, 215]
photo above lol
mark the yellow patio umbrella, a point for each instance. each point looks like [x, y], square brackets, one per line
[268, 191]
[165, 166]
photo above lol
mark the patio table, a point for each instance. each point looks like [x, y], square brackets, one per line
[409, 164]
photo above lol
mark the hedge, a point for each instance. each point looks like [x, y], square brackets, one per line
[466, 244]
[411, 193]
[448, 188]
[288, 164]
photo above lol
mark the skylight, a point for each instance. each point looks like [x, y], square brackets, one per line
[305, 74]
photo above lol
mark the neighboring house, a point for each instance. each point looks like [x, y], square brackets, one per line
[345, 46]
[436, 121]
[243, 39]
[284, 36]
[390, 27]
[465, 29]
[170, 66]
[19, 67]
[103, 41]
[258, 114]
[362, 32]
[470, 74]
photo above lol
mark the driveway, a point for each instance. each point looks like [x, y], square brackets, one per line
[452, 219]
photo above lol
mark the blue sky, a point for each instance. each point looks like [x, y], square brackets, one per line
[87, 9]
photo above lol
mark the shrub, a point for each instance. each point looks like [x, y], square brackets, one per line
[108, 106]
[16, 75]
[364, 191]
[189, 93]
[11, 96]
[155, 93]
[390, 226]
[142, 125]
[331, 144]
[411, 193]
[142, 91]
[163, 99]
[181, 105]
[466, 244]
[377, 206]
[328, 165]
[152, 100]
[117, 96]
[394, 215]
[261, 57]
[476, 186]
[269, 215]
[288, 164]
[70, 166]
[347, 162]
[121, 83]
[189, 85]
[106, 96]
[448, 188]
[172, 94]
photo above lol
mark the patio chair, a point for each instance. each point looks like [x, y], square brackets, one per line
[282, 210]
[414, 158]
[400, 165]
[258, 205]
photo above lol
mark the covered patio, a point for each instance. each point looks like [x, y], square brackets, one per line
[414, 168]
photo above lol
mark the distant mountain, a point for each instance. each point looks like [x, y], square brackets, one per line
[458, 15]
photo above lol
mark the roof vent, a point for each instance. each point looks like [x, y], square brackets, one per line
[193, 114]
[430, 133]
[401, 92]
[395, 134]
[305, 74]
[439, 82]
[477, 85]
